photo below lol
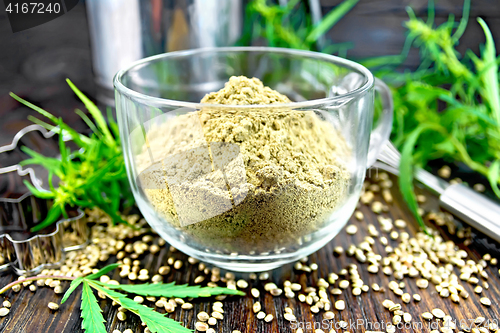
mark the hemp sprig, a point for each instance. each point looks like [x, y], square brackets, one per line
[91, 313]
[93, 175]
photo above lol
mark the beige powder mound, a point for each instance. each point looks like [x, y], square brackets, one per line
[240, 90]
[245, 180]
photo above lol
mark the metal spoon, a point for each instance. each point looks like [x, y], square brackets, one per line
[470, 206]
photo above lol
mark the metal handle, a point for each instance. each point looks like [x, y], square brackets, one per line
[473, 208]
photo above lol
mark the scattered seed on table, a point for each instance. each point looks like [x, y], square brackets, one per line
[289, 317]
[268, 318]
[387, 303]
[444, 293]
[178, 264]
[373, 269]
[406, 317]
[485, 301]
[202, 316]
[187, 306]
[217, 315]
[395, 307]
[400, 224]
[351, 229]
[164, 270]
[169, 307]
[236, 331]
[338, 250]
[377, 207]
[335, 291]
[4, 312]
[344, 284]
[343, 324]
[32, 288]
[444, 172]
[276, 292]
[314, 309]
[217, 309]
[121, 316]
[212, 321]
[16, 288]
[479, 320]
[158, 278]
[329, 315]
[406, 298]
[128, 330]
[390, 329]
[359, 215]
[417, 297]
[242, 284]
[438, 313]
[422, 283]
[261, 315]
[201, 326]
[53, 306]
[356, 291]
[199, 279]
[340, 305]
[256, 307]
[427, 315]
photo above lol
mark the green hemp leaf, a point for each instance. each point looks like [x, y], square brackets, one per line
[91, 313]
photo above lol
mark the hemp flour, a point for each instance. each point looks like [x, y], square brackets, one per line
[247, 180]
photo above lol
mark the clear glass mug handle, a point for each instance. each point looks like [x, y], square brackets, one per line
[380, 134]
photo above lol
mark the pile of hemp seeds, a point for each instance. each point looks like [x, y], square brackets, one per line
[419, 262]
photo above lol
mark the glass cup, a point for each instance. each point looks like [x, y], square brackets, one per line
[249, 187]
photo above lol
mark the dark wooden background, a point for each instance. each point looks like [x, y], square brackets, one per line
[34, 64]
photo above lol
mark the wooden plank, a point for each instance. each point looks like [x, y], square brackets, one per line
[30, 313]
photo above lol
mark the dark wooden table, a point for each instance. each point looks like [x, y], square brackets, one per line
[29, 69]
[29, 311]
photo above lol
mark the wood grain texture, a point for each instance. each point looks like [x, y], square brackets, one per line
[30, 313]
[375, 28]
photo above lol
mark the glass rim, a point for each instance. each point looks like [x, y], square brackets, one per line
[164, 102]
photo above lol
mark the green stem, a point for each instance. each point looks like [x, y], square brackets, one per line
[34, 278]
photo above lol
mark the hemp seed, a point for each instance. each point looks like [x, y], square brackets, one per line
[268, 318]
[201, 326]
[485, 301]
[340, 305]
[53, 306]
[427, 315]
[438, 313]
